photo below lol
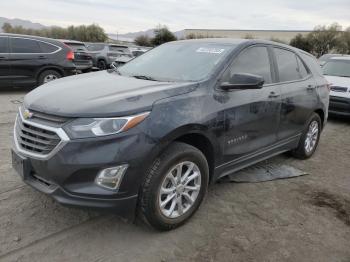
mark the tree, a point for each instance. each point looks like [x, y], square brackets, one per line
[324, 39]
[143, 40]
[6, 27]
[90, 33]
[162, 35]
[301, 42]
[344, 42]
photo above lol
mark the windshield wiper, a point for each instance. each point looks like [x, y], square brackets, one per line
[144, 77]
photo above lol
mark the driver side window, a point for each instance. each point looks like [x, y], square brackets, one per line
[254, 60]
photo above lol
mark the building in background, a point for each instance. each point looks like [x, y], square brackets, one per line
[284, 35]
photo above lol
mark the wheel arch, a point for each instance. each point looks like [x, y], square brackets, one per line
[46, 68]
[195, 136]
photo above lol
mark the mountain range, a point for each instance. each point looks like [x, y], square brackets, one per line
[129, 37]
[20, 22]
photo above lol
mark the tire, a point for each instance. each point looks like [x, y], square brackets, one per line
[157, 177]
[101, 65]
[48, 76]
[303, 151]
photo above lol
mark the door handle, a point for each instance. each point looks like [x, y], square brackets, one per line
[310, 87]
[41, 57]
[2, 57]
[273, 95]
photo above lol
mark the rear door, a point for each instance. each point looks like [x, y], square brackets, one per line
[251, 116]
[26, 59]
[4, 62]
[299, 94]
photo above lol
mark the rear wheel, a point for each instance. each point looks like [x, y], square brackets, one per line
[309, 139]
[174, 187]
[102, 65]
[48, 76]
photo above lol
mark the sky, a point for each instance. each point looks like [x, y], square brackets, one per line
[122, 16]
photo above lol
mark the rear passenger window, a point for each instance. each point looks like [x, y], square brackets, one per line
[3, 45]
[47, 48]
[21, 46]
[287, 65]
[254, 60]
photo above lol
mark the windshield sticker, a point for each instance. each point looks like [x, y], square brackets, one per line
[210, 50]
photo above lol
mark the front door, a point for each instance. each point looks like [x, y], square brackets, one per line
[5, 80]
[251, 116]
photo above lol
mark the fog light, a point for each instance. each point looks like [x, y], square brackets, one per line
[111, 177]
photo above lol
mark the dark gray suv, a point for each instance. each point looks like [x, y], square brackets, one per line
[149, 137]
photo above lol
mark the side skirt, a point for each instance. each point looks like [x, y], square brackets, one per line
[251, 159]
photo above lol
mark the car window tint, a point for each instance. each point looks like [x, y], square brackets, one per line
[77, 47]
[47, 48]
[3, 45]
[20, 45]
[118, 48]
[302, 69]
[95, 47]
[287, 65]
[254, 60]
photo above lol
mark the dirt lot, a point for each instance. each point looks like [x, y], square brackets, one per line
[299, 219]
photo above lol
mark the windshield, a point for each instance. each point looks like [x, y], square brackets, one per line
[77, 47]
[337, 68]
[178, 61]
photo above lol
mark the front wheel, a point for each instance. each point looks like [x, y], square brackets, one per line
[174, 187]
[309, 139]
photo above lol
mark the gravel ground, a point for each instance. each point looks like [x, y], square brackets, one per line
[300, 219]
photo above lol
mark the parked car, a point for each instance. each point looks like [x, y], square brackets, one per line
[337, 72]
[29, 60]
[137, 51]
[325, 58]
[150, 136]
[105, 54]
[82, 59]
[122, 58]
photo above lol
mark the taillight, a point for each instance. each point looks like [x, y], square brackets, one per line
[70, 55]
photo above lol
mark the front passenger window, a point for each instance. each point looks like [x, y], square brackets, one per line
[254, 60]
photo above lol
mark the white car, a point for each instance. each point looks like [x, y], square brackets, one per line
[337, 72]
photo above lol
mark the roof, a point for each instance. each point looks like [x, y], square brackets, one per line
[71, 41]
[340, 58]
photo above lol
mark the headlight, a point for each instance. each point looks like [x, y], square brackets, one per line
[92, 127]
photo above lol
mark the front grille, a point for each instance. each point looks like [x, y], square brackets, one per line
[34, 139]
[339, 89]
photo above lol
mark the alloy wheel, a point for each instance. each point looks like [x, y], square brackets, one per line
[179, 189]
[311, 137]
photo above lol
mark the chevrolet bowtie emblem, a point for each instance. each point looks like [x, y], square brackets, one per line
[27, 114]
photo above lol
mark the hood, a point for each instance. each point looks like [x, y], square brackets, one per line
[101, 94]
[342, 82]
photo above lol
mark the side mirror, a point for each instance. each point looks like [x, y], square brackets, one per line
[243, 81]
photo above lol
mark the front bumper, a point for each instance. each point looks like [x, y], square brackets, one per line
[69, 175]
[339, 106]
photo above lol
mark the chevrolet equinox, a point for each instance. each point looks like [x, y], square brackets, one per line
[148, 138]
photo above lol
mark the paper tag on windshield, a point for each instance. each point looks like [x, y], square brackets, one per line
[210, 50]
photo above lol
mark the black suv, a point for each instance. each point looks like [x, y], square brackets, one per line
[29, 60]
[151, 135]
